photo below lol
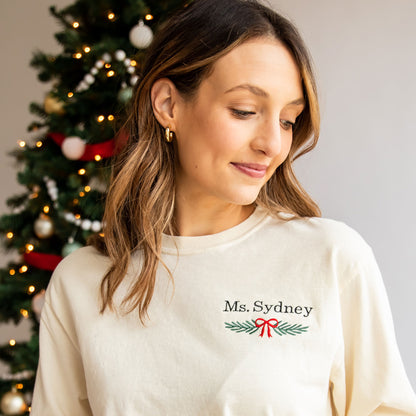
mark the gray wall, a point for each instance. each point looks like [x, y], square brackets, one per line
[361, 172]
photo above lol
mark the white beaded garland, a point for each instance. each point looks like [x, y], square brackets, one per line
[89, 79]
[96, 226]
[106, 57]
[86, 225]
[120, 55]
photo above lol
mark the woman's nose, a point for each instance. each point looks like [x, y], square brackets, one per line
[269, 139]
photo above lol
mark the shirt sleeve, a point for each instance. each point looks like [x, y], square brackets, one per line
[60, 387]
[371, 379]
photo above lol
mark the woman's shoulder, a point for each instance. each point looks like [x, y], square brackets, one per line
[325, 234]
[82, 268]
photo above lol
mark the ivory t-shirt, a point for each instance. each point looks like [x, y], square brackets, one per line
[271, 317]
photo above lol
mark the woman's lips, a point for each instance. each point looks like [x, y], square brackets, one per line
[254, 170]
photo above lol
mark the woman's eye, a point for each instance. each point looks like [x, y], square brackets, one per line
[287, 125]
[241, 113]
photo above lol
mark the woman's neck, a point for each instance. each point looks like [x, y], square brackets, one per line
[196, 218]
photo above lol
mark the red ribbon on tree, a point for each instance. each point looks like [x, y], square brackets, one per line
[104, 149]
[42, 260]
[265, 323]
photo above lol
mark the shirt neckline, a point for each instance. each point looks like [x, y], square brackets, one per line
[189, 245]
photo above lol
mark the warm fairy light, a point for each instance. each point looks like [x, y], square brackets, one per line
[9, 235]
[77, 216]
[70, 94]
[29, 247]
[97, 158]
[111, 16]
[81, 194]
[39, 143]
[81, 172]
[22, 143]
[23, 269]
[101, 235]
[75, 202]
[87, 188]
[12, 272]
[46, 209]
[33, 196]
[133, 62]
[107, 65]
[110, 117]
[12, 342]
[24, 313]
[75, 25]
[77, 55]
[87, 49]
[19, 386]
[110, 73]
[31, 289]
[100, 118]
[148, 17]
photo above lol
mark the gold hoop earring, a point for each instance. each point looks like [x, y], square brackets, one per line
[168, 135]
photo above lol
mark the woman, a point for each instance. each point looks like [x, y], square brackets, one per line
[217, 289]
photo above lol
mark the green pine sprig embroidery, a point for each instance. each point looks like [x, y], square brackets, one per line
[250, 327]
[247, 326]
[286, 329]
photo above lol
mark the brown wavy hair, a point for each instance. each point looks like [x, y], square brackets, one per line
[141, 198]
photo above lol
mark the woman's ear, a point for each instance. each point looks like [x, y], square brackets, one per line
[164, 98]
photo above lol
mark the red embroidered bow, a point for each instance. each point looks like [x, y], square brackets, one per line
[264, 323]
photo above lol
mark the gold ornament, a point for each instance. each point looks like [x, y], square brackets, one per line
[53, 105]
[13, 403]
[43, 226]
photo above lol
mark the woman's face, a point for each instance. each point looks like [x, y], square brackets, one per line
[238, 130]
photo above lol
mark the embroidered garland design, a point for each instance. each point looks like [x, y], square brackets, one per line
[280, 328]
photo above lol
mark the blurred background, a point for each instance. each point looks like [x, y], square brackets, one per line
[363, 171]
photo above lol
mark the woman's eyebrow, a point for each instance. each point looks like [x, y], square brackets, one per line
[261, 93]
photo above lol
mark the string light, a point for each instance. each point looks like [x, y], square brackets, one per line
[12, 342]
[46, 209]
[87, 49]
[81, 194]
[100, 118]
[31, 289]
[133, 62]
[22, 143]
[24, 313]
[70, 94]
[33, 196]
[12, 272]
[39, 143]
[107, 65]
[97, 158]
[29, 248]
[23, 269]
[19, 386]
[110, 73]
[75, 25]
[75, 202]
[77, 55]
[110, 117]
[82, 172]
[101, 235]
[111, 16]
[148, 17]
[9, 235]
[87, 188]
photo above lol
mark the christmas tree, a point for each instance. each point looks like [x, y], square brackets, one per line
[65, 169]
